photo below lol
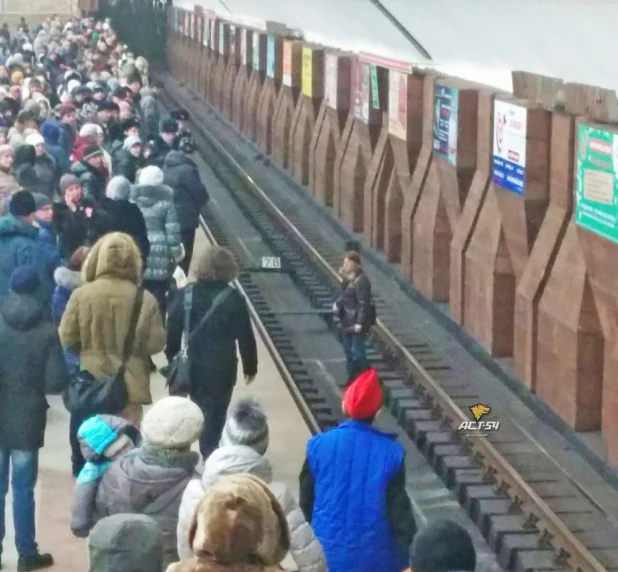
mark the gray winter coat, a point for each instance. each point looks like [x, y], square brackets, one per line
[150, 113]
[103, 431]
[231, 460]
[148, 481]
[157, 206]
[46, 175]
[125, 543]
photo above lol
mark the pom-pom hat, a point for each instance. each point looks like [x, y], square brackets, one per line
[363, 397]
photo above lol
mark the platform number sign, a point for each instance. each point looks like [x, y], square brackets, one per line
[271, 262]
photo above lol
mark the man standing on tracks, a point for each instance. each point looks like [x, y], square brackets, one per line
[356, 313]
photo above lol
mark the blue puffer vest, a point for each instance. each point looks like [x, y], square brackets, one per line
[352, 466]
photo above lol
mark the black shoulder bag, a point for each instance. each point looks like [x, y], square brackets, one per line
[179, 373]
[91, 396]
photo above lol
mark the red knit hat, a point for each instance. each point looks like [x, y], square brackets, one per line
[363, 397]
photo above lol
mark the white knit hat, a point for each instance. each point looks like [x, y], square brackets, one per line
[173, 423]
[34, 139]
[131, 141]
[151, 176]
[246, 425]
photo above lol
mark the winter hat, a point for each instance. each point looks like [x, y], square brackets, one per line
[363, 397]
[246, 425]
[41, 200]
[122, 538]
[66, 109]
[173, 423]
[24, 280]
[131, 141]
[25, 155]
[443, 546]
[151, 176]
[168, 125]
[179, 115]
[92, 151]
[6, 150]
[118, 188]
[17, 76]
[34, 139]
[129, 123]
[90, 130]
[67, 181]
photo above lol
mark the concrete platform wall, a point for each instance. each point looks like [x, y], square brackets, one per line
[469, 190]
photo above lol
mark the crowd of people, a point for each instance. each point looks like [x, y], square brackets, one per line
[99, 205]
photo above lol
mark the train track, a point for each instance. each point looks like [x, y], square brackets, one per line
[496, 495]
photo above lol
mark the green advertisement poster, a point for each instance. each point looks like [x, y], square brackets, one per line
[596, 193]
[375, 92]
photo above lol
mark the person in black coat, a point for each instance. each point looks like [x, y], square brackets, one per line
[212, 350]
[117, 214]
[128, 160]
[190, 196]
[164, 143]
[31, 366]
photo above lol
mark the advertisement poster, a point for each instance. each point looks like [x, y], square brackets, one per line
[221, 38]
[357, 72]
[271, 55]
[509, 155]
[232, 41]
[330, 80]
[596, 187]
[213, 35]
[307, 72]
[176, 20]
[243, 47]
[446, 102]
[398, 104]
[256, 51]
[365, 91]
[375, 91]
[287, 63]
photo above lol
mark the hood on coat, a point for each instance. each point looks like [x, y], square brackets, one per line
[233, 460]
[50, 132]
[125, 543]
[175, 158]
[69, 279]
[11, 225]
[239, 521]
[146, 196]
[115, 255]
[21, 312]
[99, 432]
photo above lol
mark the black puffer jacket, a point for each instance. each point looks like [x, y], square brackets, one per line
[213, 349]
[190, 194]
[354, 304]
[31, 365]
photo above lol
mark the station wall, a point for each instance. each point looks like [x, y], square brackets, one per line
[479, 40]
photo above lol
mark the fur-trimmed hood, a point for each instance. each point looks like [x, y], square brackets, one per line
[146, 196]
[238, 526]
[69, 279]
[115, 255]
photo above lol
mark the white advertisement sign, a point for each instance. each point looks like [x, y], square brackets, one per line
[509, 160]
[330, 80]
[398, 104]
[243, 46]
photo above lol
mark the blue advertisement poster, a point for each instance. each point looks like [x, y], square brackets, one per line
[270, 57]
[446, 103]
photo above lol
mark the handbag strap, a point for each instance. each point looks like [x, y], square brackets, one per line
[128, 342]
[219, 299]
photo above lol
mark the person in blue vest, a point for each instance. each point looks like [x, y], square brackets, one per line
[352, 488]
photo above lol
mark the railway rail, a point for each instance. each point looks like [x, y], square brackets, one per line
[523, 526]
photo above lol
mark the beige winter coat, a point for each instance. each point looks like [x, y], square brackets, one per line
[96, 319]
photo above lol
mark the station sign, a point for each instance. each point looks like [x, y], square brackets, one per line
[445, 123]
